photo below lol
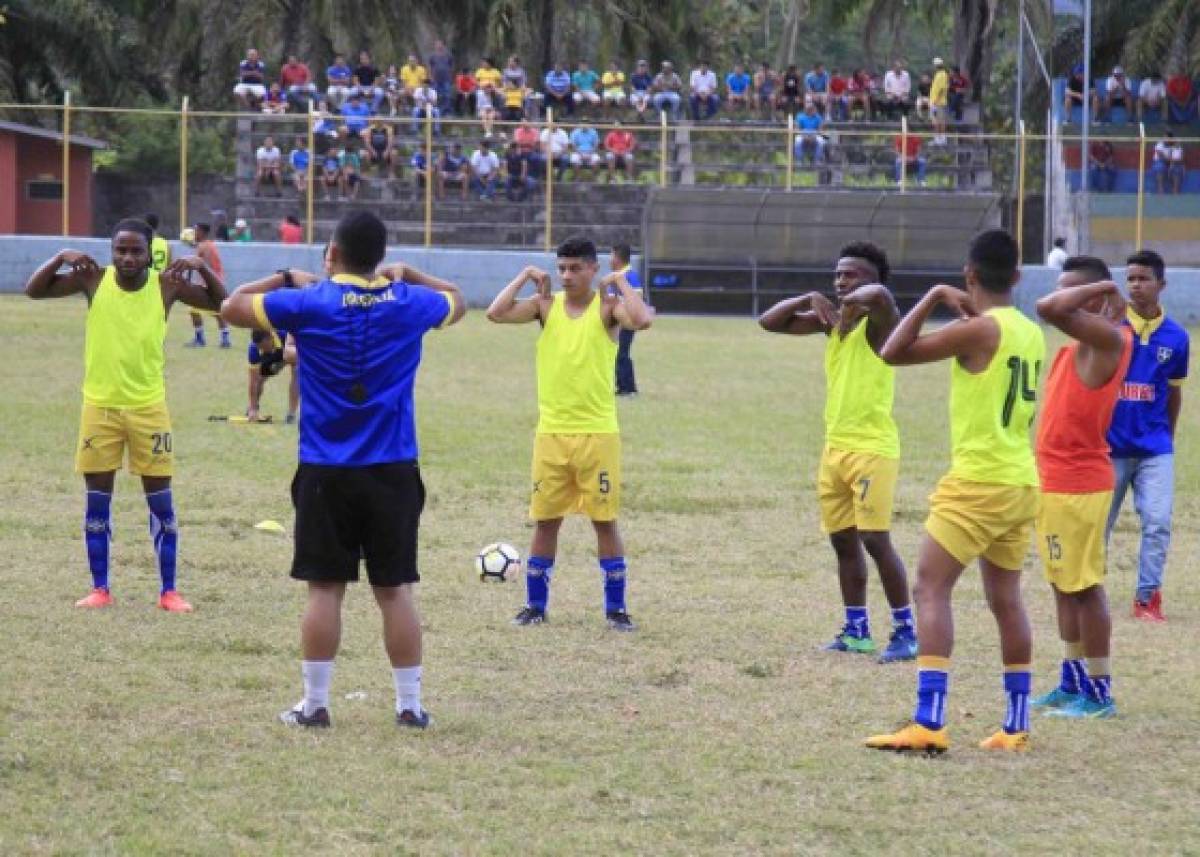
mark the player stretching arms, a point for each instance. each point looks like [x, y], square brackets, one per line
[985, 506]
[1077, 477]
[124, 397]
[201, 237]
[577, 449]
[859, 463]
[268, 352]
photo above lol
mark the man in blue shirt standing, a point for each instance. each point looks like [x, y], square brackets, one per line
[619, 261]
[357, 490]
[1142, 435]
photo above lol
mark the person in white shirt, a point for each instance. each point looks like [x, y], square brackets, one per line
[269, 161]
[1116, 93]
[1058, 256]
[703, 87]
[485, 168]
[1168, 164]
[424, 100]
[897, 90]
[1152, 92]
[554, 149]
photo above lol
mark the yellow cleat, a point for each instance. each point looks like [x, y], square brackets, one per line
[1015, 742]
[913, 738]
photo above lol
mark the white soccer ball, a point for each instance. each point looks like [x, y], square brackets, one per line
[495, 561]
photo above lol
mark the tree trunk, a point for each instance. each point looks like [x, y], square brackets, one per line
[973, 37]
[545, 44]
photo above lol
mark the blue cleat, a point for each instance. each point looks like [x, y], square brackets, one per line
[1055, 699]
[901, 647]
[1085, 708]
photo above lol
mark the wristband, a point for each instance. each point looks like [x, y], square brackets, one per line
[288, 281]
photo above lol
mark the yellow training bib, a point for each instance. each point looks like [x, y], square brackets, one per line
[576, 361]
[858, 396]
[123, 347]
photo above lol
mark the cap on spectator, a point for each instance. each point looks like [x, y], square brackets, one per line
[1118, 71]
[240, 223]
[938, 61]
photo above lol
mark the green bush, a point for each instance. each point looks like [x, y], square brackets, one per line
[147, 144]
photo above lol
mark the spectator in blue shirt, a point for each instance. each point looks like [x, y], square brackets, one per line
[340, 79]
[420, 168]
[640, 83]
[1142, 434]
[809, 141]
[357, 114]
[584, 82]
[737, 89]
[357, 489]
[558, 91]
[251, 87]
[585, 150]
[299, 160]
[816, 87]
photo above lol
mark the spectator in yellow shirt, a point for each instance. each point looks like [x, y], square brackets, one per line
[939, 100]
[514, 102]
[412, 75]
[612, 85]
[487, 76]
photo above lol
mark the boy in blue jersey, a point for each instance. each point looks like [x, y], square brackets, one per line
[357, 489]
[626, 380]
[1142, 435]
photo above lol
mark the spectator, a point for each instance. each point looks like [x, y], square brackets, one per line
[619, 144]
[515, 77]
[325, 130]
[393, 88]
[340, 80]
[584, 82]
[220, 223]
[921, 105]
[518, 183]
[420, 168]
[464, 93]
[666, 89]
[1167, 165]
[612, 84]
[412, 75]
[527, 140]
[1102, 166]
[296, 81]
[1181, 100]
[485, 109]
[268, 165]
[514, 74]
[381, 147]
[640, 84]
[626, 383]
[897, 90]
[1073, 94]
[960, 87]
[331, 171]
[453, 169]
[585, 150]
[351, 171]
[737, 89]
[356, 114]
[368, 83]
[252, 81]
[485, 169]
[1152, 93]
[299, 160]
[1116, 94]
[791, 98]
[809, 141]
[290, 231]
[558, 91]
[839, 107]
[858, 94]
[816, 87]
[441, 71]
[939, 101]
[766, 86]
[514, 102]
[554, 150]
[488, 78]
[702, 87]
[241, 231]
[1058, 256]
[424, 99]
[275, 102]
[908, 155]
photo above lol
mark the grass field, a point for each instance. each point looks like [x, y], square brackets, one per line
[718, 728]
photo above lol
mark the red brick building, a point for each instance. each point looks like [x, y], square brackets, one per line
[31, 181]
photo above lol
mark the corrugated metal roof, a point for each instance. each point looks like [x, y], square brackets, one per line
[46, 133]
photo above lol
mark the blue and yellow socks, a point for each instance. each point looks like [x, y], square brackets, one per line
[97, 535]
[613, 568]
[857, 622]
[1018, 681]
[165, 535]
[933, 684]
[537, 581]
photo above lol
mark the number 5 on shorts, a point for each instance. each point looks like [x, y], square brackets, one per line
[605, 485]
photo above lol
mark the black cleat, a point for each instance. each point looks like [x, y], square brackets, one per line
[319, 719]
[619, 620]
[410, 720]
[530, 616]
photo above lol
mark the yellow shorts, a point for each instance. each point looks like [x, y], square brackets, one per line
[104, 433]
[1070, 530]
[576, 474]
[855, 489]
[978, 519]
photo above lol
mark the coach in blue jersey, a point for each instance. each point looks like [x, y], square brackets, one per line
[1142, 435]
[357, 489]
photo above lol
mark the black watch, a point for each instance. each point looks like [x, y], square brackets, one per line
[288, 281]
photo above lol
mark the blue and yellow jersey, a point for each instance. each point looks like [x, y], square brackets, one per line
[576, 360]
[123, 345]
[1140, 424]
[859, 388]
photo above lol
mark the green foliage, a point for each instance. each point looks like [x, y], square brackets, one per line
[147, 144]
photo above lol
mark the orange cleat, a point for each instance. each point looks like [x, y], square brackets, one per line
[1013, 742]
[173, 602]
[912, 738]
[98, 597]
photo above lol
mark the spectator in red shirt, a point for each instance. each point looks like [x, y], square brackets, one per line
[960, 85]
[908, 155]
[464, 93]
[290, 231]
[1181, 100]
[858, 93]
[839, 106]
[527, 139]
[296, 81]
[619, 144]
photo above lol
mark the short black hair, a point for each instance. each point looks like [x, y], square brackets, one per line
[151, 220]
[292, 219]
[1151, 260]
[1090, 266]
[133, 224]
[1060, 242]
[622, 252]
[994, 257]
[361, 239]
[577, 247]
[871, 253]
[202, 227]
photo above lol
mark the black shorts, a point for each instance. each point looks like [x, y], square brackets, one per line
[344, 514]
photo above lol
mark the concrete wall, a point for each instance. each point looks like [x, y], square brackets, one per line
[1181, 297]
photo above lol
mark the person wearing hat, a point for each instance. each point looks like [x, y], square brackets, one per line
[1116, 92]
[939, 100]
[1074, 92]
[666, 88]
[241, 231]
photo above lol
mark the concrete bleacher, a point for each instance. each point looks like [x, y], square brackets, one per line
[1126, 159]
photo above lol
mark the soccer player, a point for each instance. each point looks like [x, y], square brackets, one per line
[618, 261]
[160, 250]
[984, 508]
[1142, 435]
[577, 449]
[268, 352]
[1077, 478]
[357, 489]
[856, 482]
[124, 396]
[206, 249]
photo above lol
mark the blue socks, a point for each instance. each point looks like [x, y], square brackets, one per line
[537, 581]
[857, 623]
[165, 535]
[902, 617]
[933, 684]
[614, 583]
[1018, 680]
[1072, 678]
[97, 534]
